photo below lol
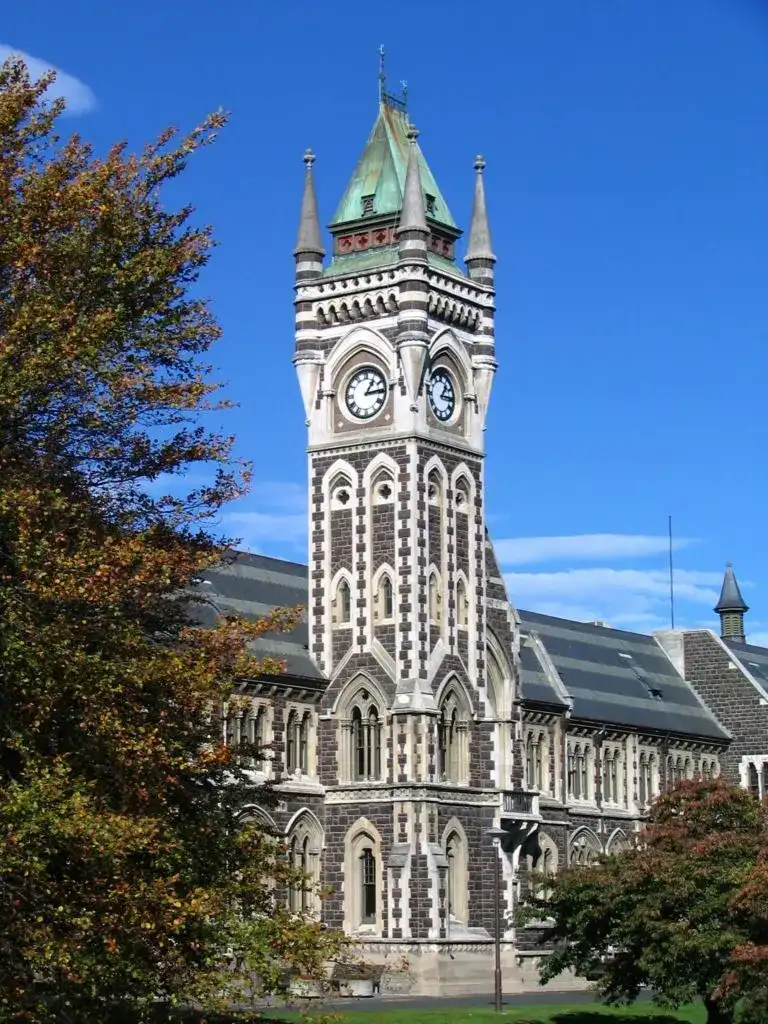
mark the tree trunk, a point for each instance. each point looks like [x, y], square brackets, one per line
[717, 1013]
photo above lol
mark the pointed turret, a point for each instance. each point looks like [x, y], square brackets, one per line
[412, 230]
[412, 237]
[731, 607]
[480, 258]
[309, 249]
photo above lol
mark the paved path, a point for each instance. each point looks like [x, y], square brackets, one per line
[537, 998]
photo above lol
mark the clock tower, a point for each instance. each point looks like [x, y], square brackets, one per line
[395, 358]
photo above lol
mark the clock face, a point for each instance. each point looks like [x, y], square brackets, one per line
[366, 392]
[442, 396]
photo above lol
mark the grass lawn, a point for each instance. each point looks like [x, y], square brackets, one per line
[563, 1014]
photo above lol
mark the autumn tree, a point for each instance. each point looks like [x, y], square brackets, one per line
[680, 913]
[126, 870]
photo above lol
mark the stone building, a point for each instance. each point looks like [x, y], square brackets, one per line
[420, 710]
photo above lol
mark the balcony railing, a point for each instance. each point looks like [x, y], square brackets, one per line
[521, 804]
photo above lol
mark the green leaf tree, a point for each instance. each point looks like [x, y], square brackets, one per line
[127, 872]
[672, 913]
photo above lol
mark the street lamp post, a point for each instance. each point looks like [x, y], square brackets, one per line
[496, 834]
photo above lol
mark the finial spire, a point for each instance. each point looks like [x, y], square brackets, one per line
[412, 214]
[382, 73]
[479, 245]
[309, 239]
[731, 607]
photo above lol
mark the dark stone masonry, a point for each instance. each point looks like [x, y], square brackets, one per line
[429, 740]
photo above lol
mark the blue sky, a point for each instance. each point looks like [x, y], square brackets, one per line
[627, 155]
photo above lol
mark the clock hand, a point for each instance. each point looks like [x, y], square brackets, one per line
[371, 390]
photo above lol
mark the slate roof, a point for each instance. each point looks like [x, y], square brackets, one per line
[754, 659]
[730, 595]
[609, 674]
[613, 676]
[253, 586]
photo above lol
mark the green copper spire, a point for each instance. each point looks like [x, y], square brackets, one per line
[378, 182]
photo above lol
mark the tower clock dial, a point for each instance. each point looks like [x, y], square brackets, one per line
[442, 395]
[366, 392]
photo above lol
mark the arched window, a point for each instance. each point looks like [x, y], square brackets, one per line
[462, 496]
[296, 885]
[383, 488]
[385, 599]
[542, 860]
[305, 846]
[434, 489]
[297, 741]
[456, 881]
[585, 849]
[462, 616]
[533, 760]
[753, 781]
[706, 769]
[575, 761]
[341, 493]
[688, 769]
[342, 605]
[366, 741]
[765, 778]
[584, 765]
[653, 777]
[435, 600]
[368, 892]
[644, 781]
[290, 741]
[304, 742]
[452, 740]
[363, 879]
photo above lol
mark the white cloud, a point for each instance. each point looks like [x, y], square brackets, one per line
[272, 519]
[79, 97]
[259, 530]
[633, 598]
[583, 547]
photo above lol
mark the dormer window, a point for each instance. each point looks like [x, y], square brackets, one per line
[367, 203]
[430, 204]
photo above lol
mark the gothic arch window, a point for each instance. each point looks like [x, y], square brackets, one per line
[305, 844]
[297, 737]
[342, 603]
[384, 610]
[362, 880]
[534, 758]
[688, 769]
[462, 492]
[383, 488]
[452, 745]
[585, 849]
[341, 493]
[380, 307]
[618, 842]
[764, 778]
[543, 860]
[361, 737]
[580, 772]
[434, 489]
[435, 599]
[644, 783]
[706, 769]
[462, 611]
[753, 781]
[611, 775]
[457, 879]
